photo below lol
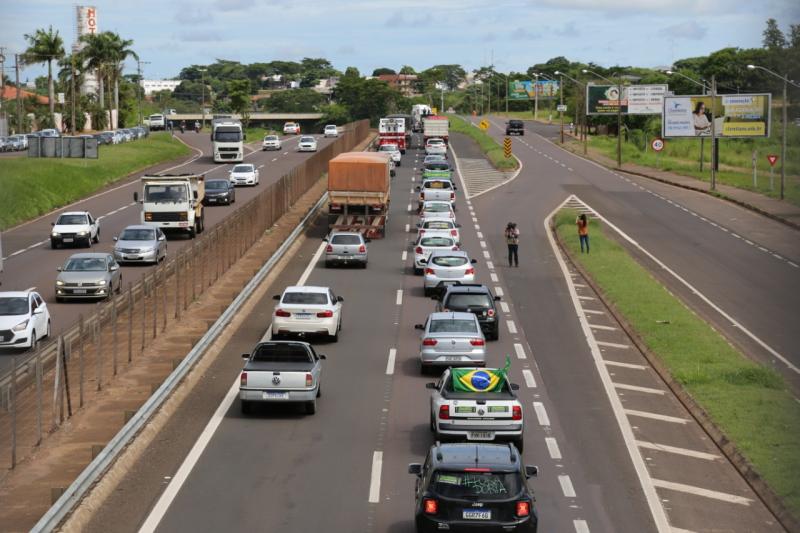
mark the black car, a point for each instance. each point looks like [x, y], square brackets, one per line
[474, 487]
[219, 191]
[473, 298]
[515, 127]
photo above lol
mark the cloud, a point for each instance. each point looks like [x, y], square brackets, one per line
[568, 30]
[191, 14]
[691, 30]
[346, 50]
[524, 34]
[200, 36]
[234, 5]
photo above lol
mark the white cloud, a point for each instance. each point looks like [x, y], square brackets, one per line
[691, 30]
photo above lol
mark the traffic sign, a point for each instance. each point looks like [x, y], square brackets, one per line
[657, 144]
[561, 107]
[484, 125]
[507, 147]
[772, 159]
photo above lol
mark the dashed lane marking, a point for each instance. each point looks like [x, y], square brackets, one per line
[399, 298]
[494, 277]
[593, 312]
[512, 328]
[498, 291]
[613, 345]
[604, 328]
[541, 414]
[375, 477]
[624, 365]
[552, 447]
[390, 362]
[504, 307]
[483, 244]
[486, 254]
[566, 486]
[656, 416]
[408, 227]
[582, 527]
[520, 350]
[530, 381]
[489, 265]
[637, 388]
[405, 255]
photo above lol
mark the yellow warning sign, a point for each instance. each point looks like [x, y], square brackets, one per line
[484, 125]
[507, 147]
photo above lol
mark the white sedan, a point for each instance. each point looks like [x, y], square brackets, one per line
[244, 174]
[393, 151]
[331, 131]
[427, 244]
[307, 310]
[307, 144]
[271, 142]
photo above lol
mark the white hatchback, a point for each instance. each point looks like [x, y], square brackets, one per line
[331, 131]
[307, 144]
[271, 142]
[307, 310]
[244, 174]
[428, 243]
[24, 319]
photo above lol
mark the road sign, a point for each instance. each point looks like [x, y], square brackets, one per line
[657, 144]
[434, 111]
[507, 147]
[772, 159]
[484, 125]
[561, 107]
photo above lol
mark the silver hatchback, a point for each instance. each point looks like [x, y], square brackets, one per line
[447, 266]
[346, 247]
[451, 339]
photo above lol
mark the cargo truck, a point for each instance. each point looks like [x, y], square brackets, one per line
[392, 131]
[435, 127]
[227, 139]
[358, 192]
[173, 202]
[418, 112]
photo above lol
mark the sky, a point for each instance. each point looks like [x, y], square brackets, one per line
[515, 34]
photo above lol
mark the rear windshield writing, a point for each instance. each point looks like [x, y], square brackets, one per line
[453, 325]
[281, 353]
[346, 239]
[305, 298]
[487, 485]
[437, 224]
[449, 261]
[463, 301]
[436, 241]
[438, 185]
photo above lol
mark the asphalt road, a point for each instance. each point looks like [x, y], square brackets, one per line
[30, 262]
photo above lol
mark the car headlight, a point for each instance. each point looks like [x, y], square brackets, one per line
[101, 282]
[21, 326]
[59, 283]
[55, 234]
[83, 233]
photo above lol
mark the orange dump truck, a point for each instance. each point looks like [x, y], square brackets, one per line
[358, 192]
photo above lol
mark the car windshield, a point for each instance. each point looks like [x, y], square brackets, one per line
[307, 139]
[476, 485]
[438, 224]
[243, 168]
[465, 301]
[346, 239]
[229, 136]
[388, 148]
[138, 235]
[85, 264]
[271, 138]
[453, 325]
[437, 185]
[217, 185]
[449, 261]
[433, 142]
[13, 305]
[436, 241]
[72, 220]
[318, 298]
[165, 193]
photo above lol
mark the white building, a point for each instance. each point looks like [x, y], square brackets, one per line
[154, 86]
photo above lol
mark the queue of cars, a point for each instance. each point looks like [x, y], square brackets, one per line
[16, 143]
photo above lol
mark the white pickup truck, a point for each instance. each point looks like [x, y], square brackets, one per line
[281, 372]
[475, 416]
[441, 190]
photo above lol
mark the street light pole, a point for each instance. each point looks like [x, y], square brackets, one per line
[203, 98]
[536, 98]
[561, 103]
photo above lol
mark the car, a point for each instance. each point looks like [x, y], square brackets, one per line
[75, 227]
[447, 266]
[515, 127]
[434, 158]
[476, 486]
[24, 319]
[307, 144]
[5, 146]
[451, 339]
[393, 151]
[140, 244]
[106, 137]
[49, 133]
[88, 275]
[437, 169]
[271, 142]
[281, 372]
[244, 174]
[345, 247]
[436, 146]
[426, 244]
[219, 191]
[436, 209]
[473, 298]
[307, 310]
[331, 131]
[438, 190]
[440, 226]
[291, 128]
[18, 142]
[119, 137]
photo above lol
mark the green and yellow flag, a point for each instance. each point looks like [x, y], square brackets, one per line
[480, 379]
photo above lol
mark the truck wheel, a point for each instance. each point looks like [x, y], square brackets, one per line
[245, 407]
[192, 233]
[311, 407]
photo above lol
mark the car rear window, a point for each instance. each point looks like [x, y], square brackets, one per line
[438, 224]
[436, 241]
[320, 298]
[453, 325]
[346, 239]
[437, 166]
[515, 123]
[437, 208]
[281, 353]
[448, 261]
[438, 185]
[476, 485]
[465, 301]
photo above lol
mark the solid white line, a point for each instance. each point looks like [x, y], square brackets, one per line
[541, 414]
[399, 298]
[375, 477]
[512, 328]
[612, 345]
[405, 255]
[593, 312]
[605, 328]
[520, 350]
[637, 388]
[552, 447]
[504, 307]
[676, 450]
[566, 486]
[530, 381]
[489, 264]
[493, 276]
[498, 291]
[681, 530]
[625, 365]
[698, 491]
[656, 416]
[312, 264]
[580, 525]
[390, 362]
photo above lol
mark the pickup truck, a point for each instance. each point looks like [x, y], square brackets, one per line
[442, 190]
[281, 372]
[492, 414]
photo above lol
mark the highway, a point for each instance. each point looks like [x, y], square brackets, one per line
[344, 469]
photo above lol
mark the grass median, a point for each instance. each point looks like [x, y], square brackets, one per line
[750, 403]
[490, 147]
[31, 187]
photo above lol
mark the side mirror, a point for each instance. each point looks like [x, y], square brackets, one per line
[367, 241]
[115, 239]
[415, 468]
[322, 356]
[135, 196]
[418, 188]
[53, 223]
[162, 238]
[473, 261]
[113, 268]
[276, 297]
[514, 386]
[325, 239]
[339, 299]
[531, 471]
[430, 385]
[458, 225]
[455, 188]
[245, 356]
[416, 326]
[58, 269]
[497, 298]
[423, 261]
[194, 194]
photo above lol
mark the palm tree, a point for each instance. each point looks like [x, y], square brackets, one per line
[44, 47]
[96, 55]
[105, 52]
[120, 51]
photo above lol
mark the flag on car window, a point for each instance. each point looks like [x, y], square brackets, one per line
[480, 379]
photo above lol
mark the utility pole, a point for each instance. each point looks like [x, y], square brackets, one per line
[783, 135]
[536, 97]
[72, 85]
[203, 101]
[561, 102]
[619, 121]
[2, 85]
[19, 94]
[713, 133]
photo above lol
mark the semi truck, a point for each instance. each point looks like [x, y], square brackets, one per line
[392, 131]
[408, 122]
[358, 192]
[173, 202]
[435, 127]
[227, 139]
[418, 112]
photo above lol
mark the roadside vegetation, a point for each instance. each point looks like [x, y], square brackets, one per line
[31, 187]
[490, 147]
[750, 403]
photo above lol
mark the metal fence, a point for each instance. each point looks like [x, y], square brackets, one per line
[45, 388]
[63, 147]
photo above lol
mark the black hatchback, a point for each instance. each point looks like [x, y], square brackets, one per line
[476, 299]
[474, 487]
[515, 127]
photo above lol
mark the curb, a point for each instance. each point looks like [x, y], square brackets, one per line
[768, 497]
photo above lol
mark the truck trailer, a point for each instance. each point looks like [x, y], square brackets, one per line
[358, 193]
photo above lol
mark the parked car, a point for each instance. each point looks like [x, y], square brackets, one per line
[291, 128]
[75, 227]
[271, 142]
[18, 142]
[24, 319]
[281, 372]
[515, 127]
[88, 275]
[244, 174]
[440, 226]
[140, 244]
[5, 146]
[451, 339]
[393, 151]
[428, 243]
[473, 298]
[447, 266]
[307, 310]
[307, 144]
[50, 132]
[436, 146]
[106, 137]
[477, 486]
[345, 247]
[331, 131]
[219, 191]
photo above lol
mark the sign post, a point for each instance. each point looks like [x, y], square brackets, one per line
[507, 147]
[755, 169]
[772, 158]
[484, 125]
[657, 145]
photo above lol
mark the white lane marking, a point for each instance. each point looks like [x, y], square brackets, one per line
[681, 530]
[530, 381]
[612, 345]
[474, 219]
[390, 362]
[656, 416]
[678, 451]
[566, 486]
[580, 525]
[593, 312]
[512, 328]
[479, 234]
[412, 190]
[498, 291]
[494, 277]
[285, 153]
[504, 307]
[604, 328]
[311, 264]
[478, 228]
[586, 297]
[409, 207]
[520, 350]
[260, 166]
[486, 254]
[699, 491]
[541, 414]
[489, 264]
[375, 477]
[408, 227]
[581, 285]
[483, 244]
[625, 365]
[399, 298]
[405, 255]
[552, 447]
[637, 388]
[274, 159]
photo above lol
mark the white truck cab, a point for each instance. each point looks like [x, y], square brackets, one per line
[173, 202]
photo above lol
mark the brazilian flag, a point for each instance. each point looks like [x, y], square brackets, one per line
[480, 379]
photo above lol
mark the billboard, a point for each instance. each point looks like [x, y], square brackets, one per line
[524, 90]
[636, 99]
[736, 116]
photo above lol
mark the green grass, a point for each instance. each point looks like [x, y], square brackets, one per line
[31, 187]
[748, 402]
[257, 134]
[488, 145]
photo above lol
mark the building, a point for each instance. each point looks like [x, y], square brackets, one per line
[10, 94]
[326, 86]
[154, 86]
[405, 83]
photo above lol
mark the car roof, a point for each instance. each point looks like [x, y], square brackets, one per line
[16, 294]
[142, 226]
[501, 457]
[74, 213]
[468, 288]
[209, 180]
[90, 255]
[336, 232]
[452, 315]
[306, 288]
[244, 165]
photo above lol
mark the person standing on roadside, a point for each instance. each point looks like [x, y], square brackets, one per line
[583, 231]
[512, 240]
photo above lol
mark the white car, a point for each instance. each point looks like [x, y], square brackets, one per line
[428, 243]
[436, 209]
[291, 128]
[440, 226]
[447, 266]
[331, 131]
[271, 142]
[436, 147]
[24, 319]
[307, 310]
[244, 174]
[75, 227]
[393, 151]
[307, 144]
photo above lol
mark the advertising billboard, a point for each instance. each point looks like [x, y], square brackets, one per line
[735, 116]
[636, 99]
[524, 90]
[87, 20]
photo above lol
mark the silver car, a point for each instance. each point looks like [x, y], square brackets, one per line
[140, 244]
[88, 275]
[426, 244]
[436, 209]
[451, 339]
[440, 227]
[447, 266]
[345, 247]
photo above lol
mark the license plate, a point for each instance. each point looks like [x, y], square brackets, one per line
[464, 409]
[183, 224]
[212, 200]
[270, 395]
[68, 239]
[132, 257]
[303, 316]
[79, 291]
[476, 514]
[452, 358]
[480, 435]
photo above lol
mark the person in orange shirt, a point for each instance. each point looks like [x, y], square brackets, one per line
[583, 231]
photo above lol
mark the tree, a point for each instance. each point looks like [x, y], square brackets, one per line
[407, 69]
[352, 72]
[97, 56]
[773, 36]
[295, 101]
[119, 51]
[44, 47]
[335, 114]
[383, 70]
[315, 69]
[239, 98]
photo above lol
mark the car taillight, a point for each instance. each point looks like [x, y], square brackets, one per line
[429, 342]
[309, 380]
[469, 272]
[516, 412]
[452, 196]
[329, 248]
[421, 231]
[325, 314]
[453, 232]
[418, 250]
[243, 380]
[444, 412]
[281, 312]
[477, 342]
[362, 249]
[490, 312]
[523, 508]
[430, 271]
[148, 216]
[430, 506]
